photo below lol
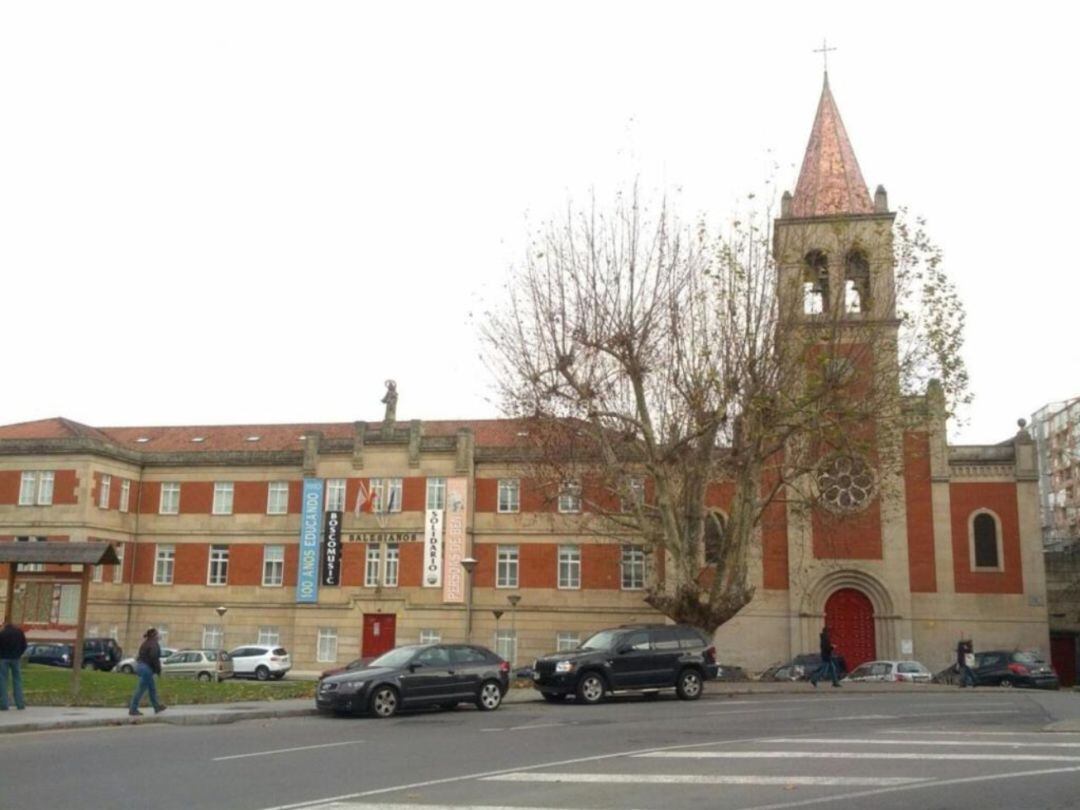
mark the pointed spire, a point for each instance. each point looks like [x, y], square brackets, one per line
[830, 182]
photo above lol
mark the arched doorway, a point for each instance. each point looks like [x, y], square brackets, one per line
[849, 615]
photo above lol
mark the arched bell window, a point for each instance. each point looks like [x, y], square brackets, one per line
[856, 283]
[985, 529]
[815, 283]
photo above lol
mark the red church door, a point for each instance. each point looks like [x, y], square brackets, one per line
[849, 615]
[379, 634]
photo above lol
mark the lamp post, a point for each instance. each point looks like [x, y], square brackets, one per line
[513, 599]
[469, 564]
[498, 615]
[220, 610]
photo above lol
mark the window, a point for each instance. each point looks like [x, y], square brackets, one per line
[93, 631]
[103, 491]
[270, 636]
[335, 495]
[436, 493]
[118, 569]
[31, 566]
[97, 575]
[164, 564]
[163, 634]
[387, 492]
[566, 641]
[506, 645]
[36, 487]
[170, 499]
[857, 283]
[327, 649]
[390, 576]
[223, 497]
[277, 498]
[569, 567]
[664, 638]
[218, 572]
[371, 566]
[985, 541]
[506, 568]
[125, 495]
[213, 637]
[633, 568]
[815, 283]
[273, 566]
[430, 637]
[437, 657]
[570, 497]
[635, 493]
[509, 495]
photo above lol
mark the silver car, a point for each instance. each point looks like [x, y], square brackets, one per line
[890, 671]
[127, 665]
[205, 665]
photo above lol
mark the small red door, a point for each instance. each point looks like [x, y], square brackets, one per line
[1063, 658]
[379, 634]
[849, 615]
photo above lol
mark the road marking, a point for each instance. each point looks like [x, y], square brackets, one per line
[934, 783]
[702, 779]
[980, 757]
[856, 717]
[847, 741]
[527, 727]
[742, 711]
[285, 750]
[381, 806]
[1045, 734]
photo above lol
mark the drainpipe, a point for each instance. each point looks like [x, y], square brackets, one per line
[134, 556]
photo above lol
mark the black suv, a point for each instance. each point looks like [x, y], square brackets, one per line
[634, 658]
[101, 653]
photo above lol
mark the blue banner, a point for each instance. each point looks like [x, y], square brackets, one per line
[311, 511]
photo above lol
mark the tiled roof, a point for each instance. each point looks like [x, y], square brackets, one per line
[830, 182]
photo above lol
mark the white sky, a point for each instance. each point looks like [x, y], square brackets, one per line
[256, 212]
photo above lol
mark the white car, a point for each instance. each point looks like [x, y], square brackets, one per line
[895, 671]
[261, 661]
[127, 665]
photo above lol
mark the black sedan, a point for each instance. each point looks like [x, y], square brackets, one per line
[53, 655]
[418, 676]
[1011, 668]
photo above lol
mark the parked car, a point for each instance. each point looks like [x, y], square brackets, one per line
[356, 663]
[206, 665]
[261, 661]
[800, 668]
[635, 658]
[415, 676]
[731, 673]
[52, 655]
[102, 653]
[127, 665]
[890, 671]
[1014, 668]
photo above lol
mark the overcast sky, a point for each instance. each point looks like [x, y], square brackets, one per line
[257, 212]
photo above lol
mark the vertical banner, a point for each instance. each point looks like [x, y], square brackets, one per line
[311, 510]
[454, 541]
[332, 549]
[433, 549]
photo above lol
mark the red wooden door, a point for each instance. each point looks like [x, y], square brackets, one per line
[849, 615]
[1063, 658]
[379, 634]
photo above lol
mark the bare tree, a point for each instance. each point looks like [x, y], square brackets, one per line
[665, 366]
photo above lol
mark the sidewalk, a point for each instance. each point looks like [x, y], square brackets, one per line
[1064, 705]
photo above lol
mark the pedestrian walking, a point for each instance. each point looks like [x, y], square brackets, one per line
[12, 646]
[965, 658]
[147, 665]
[828, 661]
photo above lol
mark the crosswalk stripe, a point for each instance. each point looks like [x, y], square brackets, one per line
[929, 755]
[972, 743]
[706, 779]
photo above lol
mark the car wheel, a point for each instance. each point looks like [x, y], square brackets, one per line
[550, 698]
[205, 676]
[1005, 682]
[688, 686]
[490, 696]
[590, 688]
[384, 702]
[127, 669]
[262, 673]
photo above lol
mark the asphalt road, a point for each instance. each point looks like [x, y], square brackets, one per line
[969, 749]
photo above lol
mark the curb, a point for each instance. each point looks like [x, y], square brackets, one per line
[179, 719]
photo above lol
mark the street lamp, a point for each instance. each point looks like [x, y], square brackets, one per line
[513, 599]
[220, 610]
[469, 564]
[498, 615]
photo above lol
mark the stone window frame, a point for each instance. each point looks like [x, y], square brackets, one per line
[125, 494]
[507, 566]
[569, 563]
[224, 492]
[1000, 550]
[104, 491]
[629, 564]
[173, 488]
[217, 566]
[511, 489]
[435, 494]
[274, 492]
[164, 561]
[273, 568]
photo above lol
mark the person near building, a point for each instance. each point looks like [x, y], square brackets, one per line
[828, 661]
[12, 646]
[148, 664]
[965, 658]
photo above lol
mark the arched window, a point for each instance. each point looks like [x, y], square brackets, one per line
[715, 537]
[856, 283]
[815, 283]
[985, 541]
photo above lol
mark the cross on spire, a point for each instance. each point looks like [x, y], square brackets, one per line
[824, 51]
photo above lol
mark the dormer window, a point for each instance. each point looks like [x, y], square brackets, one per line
[815, 283]
[856, 283]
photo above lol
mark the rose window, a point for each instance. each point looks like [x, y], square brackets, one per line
[846, 483]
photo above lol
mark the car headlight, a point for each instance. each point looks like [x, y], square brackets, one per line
[351, 686]
[565, 666]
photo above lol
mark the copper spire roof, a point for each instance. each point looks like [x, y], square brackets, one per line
[830, 182]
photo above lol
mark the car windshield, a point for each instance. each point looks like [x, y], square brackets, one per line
[1026, 658]
[395, 658]
[604, 640]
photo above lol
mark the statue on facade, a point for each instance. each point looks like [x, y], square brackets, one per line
[390, 400]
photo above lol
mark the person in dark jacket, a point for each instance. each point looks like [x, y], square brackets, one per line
[12, 646]
[965, 648]
[828, 661]
[147, 665]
